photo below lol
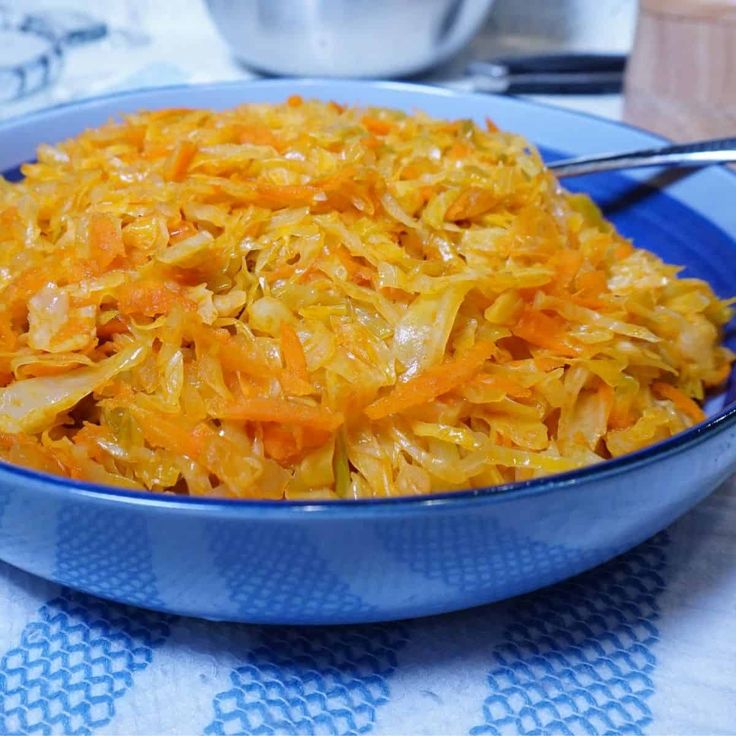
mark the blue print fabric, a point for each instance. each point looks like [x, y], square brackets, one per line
[581, 658]
[641, 645]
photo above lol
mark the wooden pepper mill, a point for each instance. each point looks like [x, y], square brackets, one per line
[681, 77]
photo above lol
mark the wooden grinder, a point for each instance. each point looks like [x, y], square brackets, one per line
[681, 77]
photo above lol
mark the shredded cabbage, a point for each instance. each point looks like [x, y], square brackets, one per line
[306, 301]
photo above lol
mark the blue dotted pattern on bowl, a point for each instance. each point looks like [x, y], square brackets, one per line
[472, 552]
[274, 563]
[86, 560]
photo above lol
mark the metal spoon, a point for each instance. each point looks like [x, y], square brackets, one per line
[702, 153]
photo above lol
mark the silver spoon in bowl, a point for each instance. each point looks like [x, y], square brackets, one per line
[702, 153]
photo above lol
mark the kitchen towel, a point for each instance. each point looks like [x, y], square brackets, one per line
[644, 644]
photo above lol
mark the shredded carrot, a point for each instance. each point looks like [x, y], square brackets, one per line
[21, 289]
[283, 411]
[260, 135]
[434, 382]
[280, 443]
[623, 250]
[427, 192]
[544, 331]
[237, 357]
[471, 202]
[411, 171]
[620, 416]
[8, 337]
[169, 113]
[181, 230]
[285, 270]
[681, 400]
[168, 434]
[181, 157]
[291, 195]
[458, 150]
[293, 353]
[105, 240]
[546, 363]
[42, 369]
[592, 283]
[566, 264]
[151, 298]
[9, 217]
[376, 125]
[289, 444]
[89, 437]
[136, 136]
[356, 271]
[719, 376]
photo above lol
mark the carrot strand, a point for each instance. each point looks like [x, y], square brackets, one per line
[283, 411]
[434, 382]
[681, 400]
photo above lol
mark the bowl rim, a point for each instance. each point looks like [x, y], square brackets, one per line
[695, 435]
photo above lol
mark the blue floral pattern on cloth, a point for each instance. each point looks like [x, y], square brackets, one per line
[265, 581]
[73, 662]
[311, 681]
[85, 561]
[578, 657]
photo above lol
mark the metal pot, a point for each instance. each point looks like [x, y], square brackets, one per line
[346, 38]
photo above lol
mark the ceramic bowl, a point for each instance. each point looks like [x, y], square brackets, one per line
[357, 561]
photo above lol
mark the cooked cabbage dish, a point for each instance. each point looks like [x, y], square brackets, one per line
[312, 301]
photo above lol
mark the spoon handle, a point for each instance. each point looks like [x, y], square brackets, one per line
[701, 153]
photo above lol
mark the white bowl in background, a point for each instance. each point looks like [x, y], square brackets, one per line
[346, 38]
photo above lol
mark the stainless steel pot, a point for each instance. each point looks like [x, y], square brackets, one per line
[346, 38]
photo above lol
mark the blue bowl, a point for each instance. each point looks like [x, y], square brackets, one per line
[359, 561]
